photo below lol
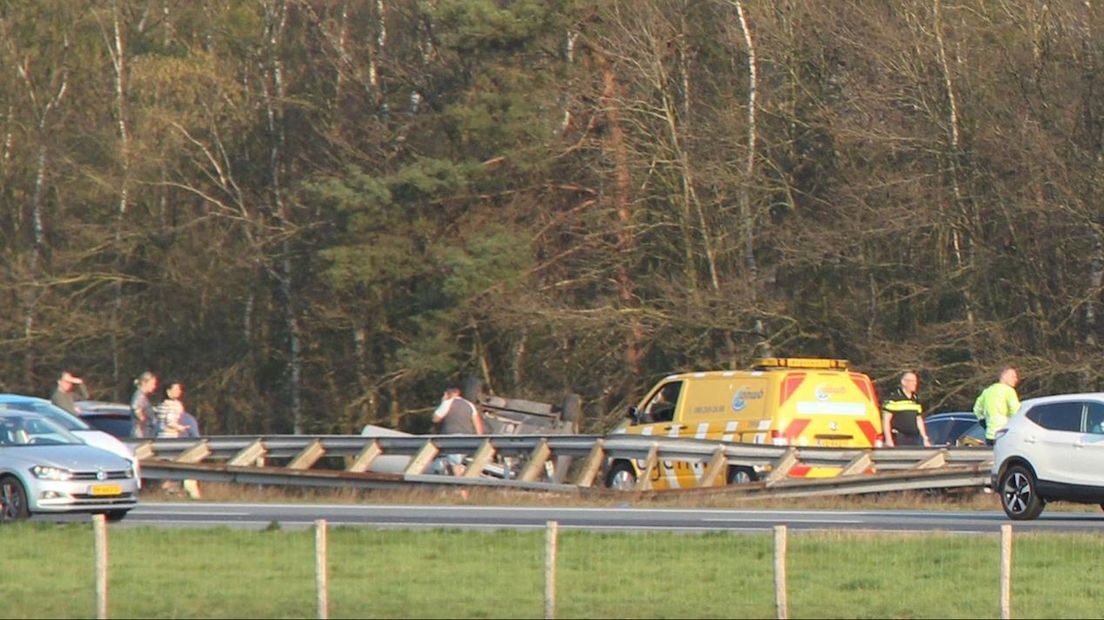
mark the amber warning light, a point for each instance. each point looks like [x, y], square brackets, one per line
[800, 362]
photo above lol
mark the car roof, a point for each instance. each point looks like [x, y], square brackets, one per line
[20, 398]
[102, 408]
[105, 414]
[951, 414]
[1061, 398]
[21, 413]
[755, 372]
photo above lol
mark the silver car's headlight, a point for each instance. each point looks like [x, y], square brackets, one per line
[129, 472]
[45, 472]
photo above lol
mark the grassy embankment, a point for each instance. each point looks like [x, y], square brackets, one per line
[155, 573]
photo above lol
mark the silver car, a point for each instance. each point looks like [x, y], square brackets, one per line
[46, 469]
[79, 427]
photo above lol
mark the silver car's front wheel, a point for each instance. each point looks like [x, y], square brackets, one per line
[13, 500]
[1019, 495]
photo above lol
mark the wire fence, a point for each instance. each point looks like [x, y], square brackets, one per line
[73, 570]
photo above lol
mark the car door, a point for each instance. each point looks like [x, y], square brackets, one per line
[659, 416]
[1053, 451]
[1088, 449]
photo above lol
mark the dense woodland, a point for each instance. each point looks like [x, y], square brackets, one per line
[318, 212]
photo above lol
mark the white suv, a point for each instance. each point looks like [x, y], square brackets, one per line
[1053, 449]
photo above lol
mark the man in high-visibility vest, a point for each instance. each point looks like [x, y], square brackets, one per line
[997, 403]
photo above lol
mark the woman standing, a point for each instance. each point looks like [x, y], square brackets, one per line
[140, 408]
[170, 412]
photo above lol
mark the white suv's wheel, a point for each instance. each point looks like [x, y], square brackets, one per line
[1019, 495]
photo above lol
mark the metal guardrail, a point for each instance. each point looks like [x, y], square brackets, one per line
[526, 462]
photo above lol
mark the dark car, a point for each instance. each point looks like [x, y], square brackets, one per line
[954, 428]
[111, 418]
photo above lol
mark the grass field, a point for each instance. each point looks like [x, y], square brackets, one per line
[224, 573]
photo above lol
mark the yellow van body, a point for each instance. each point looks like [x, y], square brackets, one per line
[781, 402]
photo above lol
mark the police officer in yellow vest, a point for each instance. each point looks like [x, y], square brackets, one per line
[997, 403]
[902, 415]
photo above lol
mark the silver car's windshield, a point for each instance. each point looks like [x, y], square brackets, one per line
[33, 430]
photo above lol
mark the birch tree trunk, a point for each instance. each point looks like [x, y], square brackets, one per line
[1093, 127]
[117, 51]
[375, 82]
[955, 155]
[746, 216]
[276, 14]
[570, 37]
[342, 53]
[38, 231]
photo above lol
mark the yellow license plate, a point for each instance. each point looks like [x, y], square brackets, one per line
[832, 443]
[107, 489]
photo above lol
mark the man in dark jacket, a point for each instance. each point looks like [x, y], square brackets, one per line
[902, 415]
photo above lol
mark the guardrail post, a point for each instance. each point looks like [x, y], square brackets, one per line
[1006, 572]
[144, 451]
[422, 459]
[783, 466]
[537, 459]
[939, 459]
[308, 456]
[551, 542]
[364, 459]
[99, 544]
[195, 454]
[858, 465]
[321, 569]
[716, 465]
[482, 456]
[781, 605]
[592, 465]
[249, 454]
[644, 482]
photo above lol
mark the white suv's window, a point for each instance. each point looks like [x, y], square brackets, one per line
[1058, 416]
[1094, 419]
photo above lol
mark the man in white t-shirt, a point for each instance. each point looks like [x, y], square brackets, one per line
[457, 415]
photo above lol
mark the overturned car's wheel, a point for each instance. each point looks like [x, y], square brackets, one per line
[1019, 493]
[471, 388]
[572, 407]
[13, 500]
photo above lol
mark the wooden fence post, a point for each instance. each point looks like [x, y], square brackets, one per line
[551, 536]
[1006, 572]
[99, 545]
[321, 573]
[780, 604]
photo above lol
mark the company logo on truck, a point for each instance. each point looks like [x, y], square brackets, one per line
[826, 392]
[742, 395]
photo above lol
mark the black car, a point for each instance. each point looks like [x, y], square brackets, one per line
[954, 428]
[111, 418]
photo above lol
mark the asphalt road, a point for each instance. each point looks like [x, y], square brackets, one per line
[199, 514]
